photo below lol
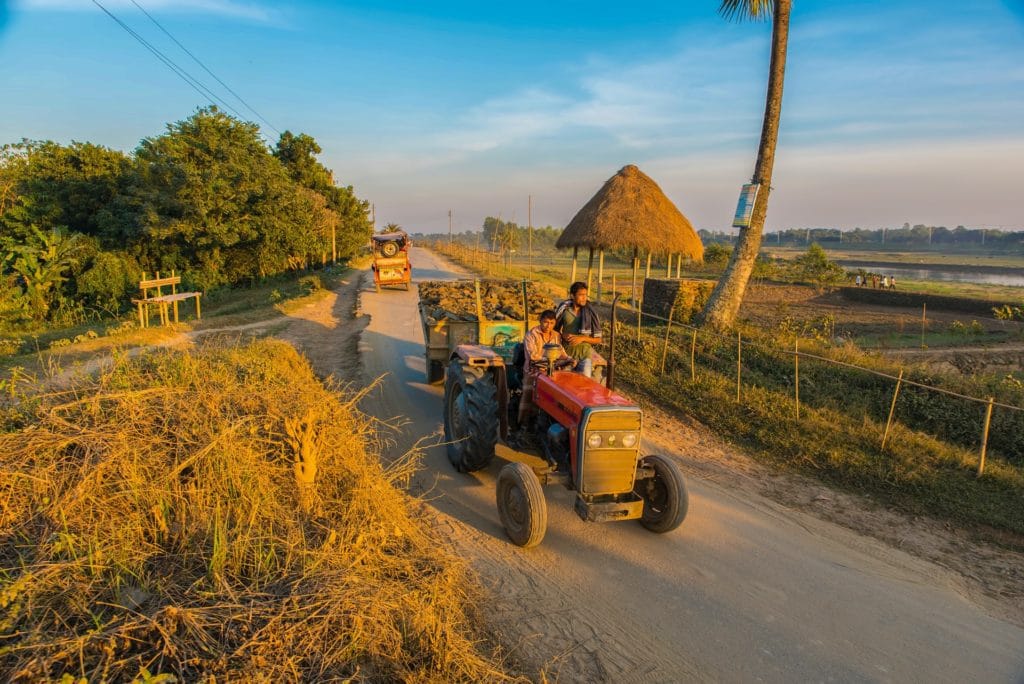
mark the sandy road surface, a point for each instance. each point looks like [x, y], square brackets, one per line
[745, 590]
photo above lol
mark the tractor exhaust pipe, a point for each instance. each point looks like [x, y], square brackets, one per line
[610, 383]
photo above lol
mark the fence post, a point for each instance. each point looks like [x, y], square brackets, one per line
[892, 409]
[924, 322]
[984, 437]
[739, 364]
[796, 371]
[664, 348]
[614, 290]
[693, 355]
[639, 319]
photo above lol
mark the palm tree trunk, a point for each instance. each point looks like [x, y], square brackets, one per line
[725, 300]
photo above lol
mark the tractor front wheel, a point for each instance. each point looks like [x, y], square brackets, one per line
[470, 416]
[665, 498]
[521, 505]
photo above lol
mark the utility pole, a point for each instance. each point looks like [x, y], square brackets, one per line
[373, 216]
[529, 229]
[449, 227]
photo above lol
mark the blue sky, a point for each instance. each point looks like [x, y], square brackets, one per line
[894, 111]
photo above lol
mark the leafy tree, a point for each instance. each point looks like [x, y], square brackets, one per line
[42, 265]
[352, 224]
[217, 202]
[725, 300]
[815, 267]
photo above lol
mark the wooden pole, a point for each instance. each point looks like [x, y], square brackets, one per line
[334, 243]
[796, 367]
[600, 272]
[664, 347]
[590, 267]
[647, 273]
[892, 409]
[739, 363]
[693, 356]
[572, 275]
[668, 269]
[984, 436]
[924, 322]
[614, 290]
[636, 267]
[679, 266]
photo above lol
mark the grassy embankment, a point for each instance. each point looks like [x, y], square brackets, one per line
[36, 347]
[838, 435]
[218, 515]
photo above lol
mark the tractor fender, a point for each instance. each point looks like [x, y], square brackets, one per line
[477, 355]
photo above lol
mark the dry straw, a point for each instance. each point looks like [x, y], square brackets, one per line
[216, 515]
[630, 210]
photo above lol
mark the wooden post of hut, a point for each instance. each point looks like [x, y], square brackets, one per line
[600, 272]
[668, 269]
[647, 273]
[590, 267]
[679, 267]
[636, 267]
[572, 275]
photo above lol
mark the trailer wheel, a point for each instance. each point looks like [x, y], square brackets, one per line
[521, 505]
[665, 498]
[389, 249]
[470, 416]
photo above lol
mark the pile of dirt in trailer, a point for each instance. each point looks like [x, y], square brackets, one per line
[216, 516]
[499, 299]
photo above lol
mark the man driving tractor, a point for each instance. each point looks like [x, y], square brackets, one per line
[579, 326]
[541, 339]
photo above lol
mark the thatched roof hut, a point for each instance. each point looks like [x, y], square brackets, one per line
[630, 210]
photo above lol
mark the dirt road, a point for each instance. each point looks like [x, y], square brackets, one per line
[745, 590]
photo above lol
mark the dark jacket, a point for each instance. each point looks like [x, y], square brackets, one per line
[590, 324]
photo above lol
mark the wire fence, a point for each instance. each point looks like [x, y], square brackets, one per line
[731, 353]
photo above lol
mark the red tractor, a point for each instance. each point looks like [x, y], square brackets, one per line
[583, 435]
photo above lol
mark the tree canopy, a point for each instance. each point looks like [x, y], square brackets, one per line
[207, 198]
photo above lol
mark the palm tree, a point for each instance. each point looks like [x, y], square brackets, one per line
[724, 303]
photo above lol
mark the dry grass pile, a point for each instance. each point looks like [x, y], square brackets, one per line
[499, 299]
[216, 515]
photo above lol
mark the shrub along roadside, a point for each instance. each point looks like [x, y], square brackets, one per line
[216, 514]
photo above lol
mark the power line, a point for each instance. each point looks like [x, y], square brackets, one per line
[205, 68]
[195, 83]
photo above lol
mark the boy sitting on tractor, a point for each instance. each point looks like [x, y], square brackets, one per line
[579, 326]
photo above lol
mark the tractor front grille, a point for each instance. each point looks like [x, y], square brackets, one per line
[608, 470]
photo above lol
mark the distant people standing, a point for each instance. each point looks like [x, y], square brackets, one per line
[885, 282]
[892, 282]
[857, 280]
[874, 282]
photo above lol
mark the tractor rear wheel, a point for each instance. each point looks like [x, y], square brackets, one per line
[665, 498]
[470, 416]
[521, 505]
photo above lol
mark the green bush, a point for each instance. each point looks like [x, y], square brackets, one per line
[310, 283]
[110, 281]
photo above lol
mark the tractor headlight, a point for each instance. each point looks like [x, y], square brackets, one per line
[629, 440]
[594, 441]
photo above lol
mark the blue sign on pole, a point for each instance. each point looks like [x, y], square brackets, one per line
[745, 207]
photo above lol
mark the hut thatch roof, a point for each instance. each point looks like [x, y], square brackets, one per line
[630, 210]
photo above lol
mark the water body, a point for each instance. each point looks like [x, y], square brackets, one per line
[904, 272]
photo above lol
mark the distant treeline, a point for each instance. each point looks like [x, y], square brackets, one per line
[919, 235]
[496, 235]
[208, 198]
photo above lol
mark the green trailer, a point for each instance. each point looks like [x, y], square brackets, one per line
[444, 330]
